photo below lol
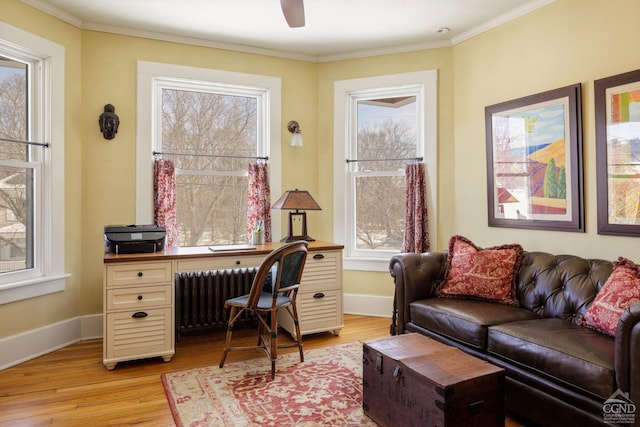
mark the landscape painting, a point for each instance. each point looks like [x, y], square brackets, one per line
[534, 162]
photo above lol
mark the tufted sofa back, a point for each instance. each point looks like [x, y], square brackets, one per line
[561, 286]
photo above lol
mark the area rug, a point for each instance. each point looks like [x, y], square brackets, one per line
[324, 390]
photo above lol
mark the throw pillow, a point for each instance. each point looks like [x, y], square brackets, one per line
[620, 291]
[487, 274]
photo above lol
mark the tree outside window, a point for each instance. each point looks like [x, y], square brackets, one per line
[214, 137]
[16, 175]
[386, 139]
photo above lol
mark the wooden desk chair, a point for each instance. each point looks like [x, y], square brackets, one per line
[265, 301]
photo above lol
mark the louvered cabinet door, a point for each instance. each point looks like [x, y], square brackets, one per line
[319, 301]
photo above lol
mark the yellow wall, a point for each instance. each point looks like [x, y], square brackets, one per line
[566, 42]
[569, 41]
[30, 314]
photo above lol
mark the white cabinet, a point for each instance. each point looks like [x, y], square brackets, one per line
[319, 300]
[138, 311]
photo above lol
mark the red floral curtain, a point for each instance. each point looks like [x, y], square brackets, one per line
[259, 200]
[416, 233]
[164, 199]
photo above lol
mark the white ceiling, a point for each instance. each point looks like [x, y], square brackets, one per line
[335, 29]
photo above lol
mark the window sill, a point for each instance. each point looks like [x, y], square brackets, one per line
[366, 264]
[32, 288]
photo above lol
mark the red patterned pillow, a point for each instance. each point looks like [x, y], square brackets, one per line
[620, 291]
[487, 274]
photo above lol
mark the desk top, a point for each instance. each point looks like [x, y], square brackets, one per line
[205, 252]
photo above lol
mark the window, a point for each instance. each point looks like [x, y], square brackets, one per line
[213, 130]
[211, 124]
[381, 124]
[31, 175]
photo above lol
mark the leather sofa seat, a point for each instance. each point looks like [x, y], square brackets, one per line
[559, 350]
[466, 321]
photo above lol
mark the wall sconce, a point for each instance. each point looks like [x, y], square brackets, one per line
[109, 122]
[297, 200]
[296, 133]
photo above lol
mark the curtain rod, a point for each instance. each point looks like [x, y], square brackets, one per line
[41, 144]
[158, 153]
[414, 159]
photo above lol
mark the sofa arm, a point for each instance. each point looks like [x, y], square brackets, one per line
[627, 353]
[416, 277]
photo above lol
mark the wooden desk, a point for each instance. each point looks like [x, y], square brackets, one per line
[139, 295]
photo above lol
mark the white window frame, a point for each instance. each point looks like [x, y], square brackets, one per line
[47, 125]
[346, 95]
[153, 76]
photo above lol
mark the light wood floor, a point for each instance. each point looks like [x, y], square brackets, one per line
[71, 387]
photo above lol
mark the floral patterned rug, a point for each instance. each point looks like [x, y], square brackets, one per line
[324, 390]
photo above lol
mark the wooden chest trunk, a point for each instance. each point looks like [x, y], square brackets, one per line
[412, 380]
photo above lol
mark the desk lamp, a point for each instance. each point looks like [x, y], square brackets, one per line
[297, 200]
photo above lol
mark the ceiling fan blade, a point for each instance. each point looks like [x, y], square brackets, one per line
[293, 11]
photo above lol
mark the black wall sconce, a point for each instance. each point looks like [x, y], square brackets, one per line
[109, 122]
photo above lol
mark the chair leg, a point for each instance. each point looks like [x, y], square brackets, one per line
[296, 324]
[227, 342]
[273, 341]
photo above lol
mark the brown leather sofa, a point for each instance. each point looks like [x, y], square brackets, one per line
[558, 373]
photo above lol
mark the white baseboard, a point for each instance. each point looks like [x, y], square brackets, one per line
[367, 305]
[31, 344]
[28, 345]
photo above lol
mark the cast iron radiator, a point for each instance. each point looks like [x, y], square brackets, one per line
[200, 297]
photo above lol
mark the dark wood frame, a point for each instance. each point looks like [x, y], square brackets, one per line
[572, 95]
[601, 87]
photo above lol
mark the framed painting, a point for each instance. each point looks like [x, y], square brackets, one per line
[617, 107]
[534, 161]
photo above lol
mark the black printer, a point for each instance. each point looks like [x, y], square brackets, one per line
[132, 239]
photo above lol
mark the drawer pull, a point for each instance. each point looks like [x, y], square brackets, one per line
[238, 262]
[318, 256]
[139, 297]
[318, 295]
[139, 315]
[139, 273]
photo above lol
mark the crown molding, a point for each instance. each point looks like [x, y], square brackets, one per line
[496, 22]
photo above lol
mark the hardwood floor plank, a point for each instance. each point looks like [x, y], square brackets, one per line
[71, 387]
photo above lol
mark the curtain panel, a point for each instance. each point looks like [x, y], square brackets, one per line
[259, 200]
[164, 199]
[416, 233]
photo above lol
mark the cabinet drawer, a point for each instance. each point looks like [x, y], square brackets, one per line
[219, 263]
[139, 336]
[139, 298]
[319, 312]
[321, 271]
[128, 274]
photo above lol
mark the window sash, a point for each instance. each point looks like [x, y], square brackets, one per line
[33, 192]
[221, 225]
[352, 245]
[358, 169]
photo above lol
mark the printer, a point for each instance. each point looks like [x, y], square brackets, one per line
[132, 239]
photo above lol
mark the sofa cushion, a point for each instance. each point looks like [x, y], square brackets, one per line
[476, 273]
[620, 291]
[559, 350]
[464, 320]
